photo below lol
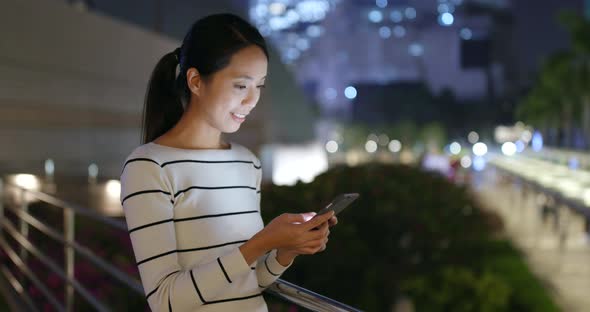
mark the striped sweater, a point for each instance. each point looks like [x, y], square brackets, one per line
[188, 212]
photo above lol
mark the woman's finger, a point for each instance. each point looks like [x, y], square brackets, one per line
[333, 221]
[312, 248]
[317, 221]
[308, 215]
[296, 218]
[312, 244]
[315, 235]
[308, 251]
[324, 227]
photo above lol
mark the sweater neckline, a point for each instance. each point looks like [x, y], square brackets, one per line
[232, 147]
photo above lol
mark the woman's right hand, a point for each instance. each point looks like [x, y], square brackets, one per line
[293, 230]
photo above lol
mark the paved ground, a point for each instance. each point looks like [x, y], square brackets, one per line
[558, 251]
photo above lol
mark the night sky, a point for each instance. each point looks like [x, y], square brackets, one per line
[536, 31]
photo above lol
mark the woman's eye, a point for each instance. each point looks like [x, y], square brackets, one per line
[261, 86]
[240, 87]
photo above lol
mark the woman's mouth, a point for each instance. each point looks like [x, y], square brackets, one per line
[238, 117]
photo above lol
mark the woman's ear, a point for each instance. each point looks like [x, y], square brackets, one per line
[194, 81]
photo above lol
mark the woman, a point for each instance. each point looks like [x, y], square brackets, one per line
[191, 200]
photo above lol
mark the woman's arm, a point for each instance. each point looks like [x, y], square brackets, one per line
[272, 265]
[285, 258]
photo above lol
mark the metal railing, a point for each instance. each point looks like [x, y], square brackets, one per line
[282, 289]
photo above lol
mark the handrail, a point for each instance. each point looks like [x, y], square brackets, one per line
[10, 229]
[295, 294]
[25, 270]
[47, 230]
[26, 300]
[58, 203]
[307, 298]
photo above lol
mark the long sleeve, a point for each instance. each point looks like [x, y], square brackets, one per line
[147, 200]
[268, 269]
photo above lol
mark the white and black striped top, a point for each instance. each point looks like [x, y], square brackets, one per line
[187, 212]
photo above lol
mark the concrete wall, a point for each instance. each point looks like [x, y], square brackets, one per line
[72, 86]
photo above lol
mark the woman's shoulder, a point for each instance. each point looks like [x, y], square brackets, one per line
[143, 151]
[142, 156]
[246, 152]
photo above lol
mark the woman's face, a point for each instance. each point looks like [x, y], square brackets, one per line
[229, 95]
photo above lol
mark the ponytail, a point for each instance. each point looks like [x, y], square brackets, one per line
[163, 105]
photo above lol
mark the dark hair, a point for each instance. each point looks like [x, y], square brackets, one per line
[208, 47]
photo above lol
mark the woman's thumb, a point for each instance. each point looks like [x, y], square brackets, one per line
[308, 215]
[295, 218]
[318, 220]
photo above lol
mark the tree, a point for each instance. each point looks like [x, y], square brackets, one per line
[561, 97]
[559, 85]
[579, 29]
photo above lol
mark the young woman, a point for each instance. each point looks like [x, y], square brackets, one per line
[191, 200]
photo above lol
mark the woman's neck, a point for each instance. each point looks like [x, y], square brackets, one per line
[193, 132]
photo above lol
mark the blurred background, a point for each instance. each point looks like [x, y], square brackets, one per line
[463, 124]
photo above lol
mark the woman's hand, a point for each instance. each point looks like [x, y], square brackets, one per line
[294, 231]
[291, 235]
[316, 245]
[310, 247]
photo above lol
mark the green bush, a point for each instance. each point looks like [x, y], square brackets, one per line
[410, 233]
[458, 289]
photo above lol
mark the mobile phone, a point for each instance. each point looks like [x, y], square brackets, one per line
[339, 203]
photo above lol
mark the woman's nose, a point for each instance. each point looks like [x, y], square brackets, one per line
[251, 99]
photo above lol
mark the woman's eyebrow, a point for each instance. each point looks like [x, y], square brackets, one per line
[248, 77]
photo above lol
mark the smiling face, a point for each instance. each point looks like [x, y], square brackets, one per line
[225, 99]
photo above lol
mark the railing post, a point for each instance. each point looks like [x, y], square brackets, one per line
[24, 226]
[563, 226]
[69, 228]
[1, 208]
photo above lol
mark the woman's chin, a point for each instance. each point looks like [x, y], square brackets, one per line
[232, 129]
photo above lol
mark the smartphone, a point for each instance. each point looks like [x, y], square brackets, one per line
[339, 203]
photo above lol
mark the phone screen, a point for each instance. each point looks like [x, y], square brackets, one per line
[339, 203]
